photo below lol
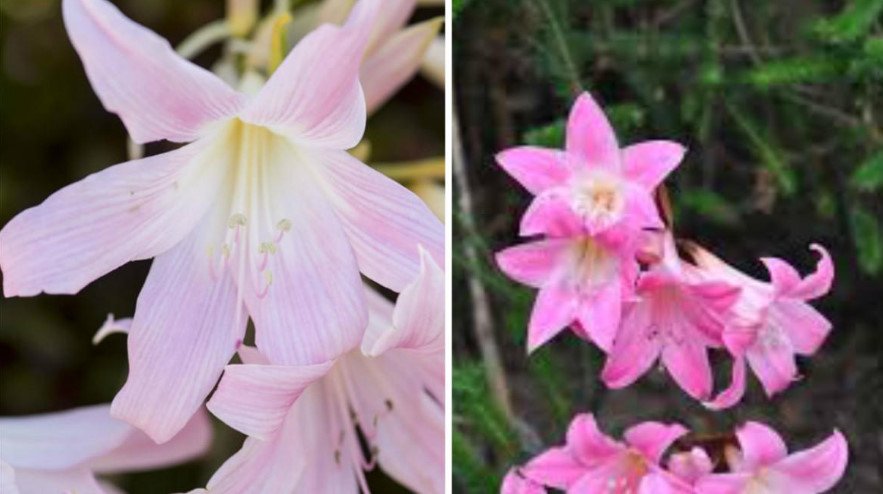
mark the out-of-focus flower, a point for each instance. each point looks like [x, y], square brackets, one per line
[673, 319]
[514, 483]
[591, 461]
[772, 322]
[691, 465]
[605, 186]
[581, 279]
[62, 452]
[763, 466]
[304, 422]
[263, 215]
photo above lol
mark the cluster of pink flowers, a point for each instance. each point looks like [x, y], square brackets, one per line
[261, 215]
[756, 462]
[608, 266]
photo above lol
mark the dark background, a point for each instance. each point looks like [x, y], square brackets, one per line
[53, 131]
[781, 107]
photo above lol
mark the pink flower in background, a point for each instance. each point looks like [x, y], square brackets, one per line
[581, 279]
[592, 462]
[603, 185]
[514, 483]
[691, 465]
[672, 319]
[772, 321]
[264, 214]
[62, 452]
[304, 422]
[764, 466]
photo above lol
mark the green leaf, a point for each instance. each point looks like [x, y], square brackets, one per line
[549, 136]
[868, 177]
[868, 240]
[851, 23]
[767, 152]
[798, 70]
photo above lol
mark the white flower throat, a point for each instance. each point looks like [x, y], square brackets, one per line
[599, 198]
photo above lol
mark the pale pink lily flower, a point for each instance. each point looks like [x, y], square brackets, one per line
[514, 483]
[62, 452]
[394, 52]
[675, 319]
[582, 281]
[303, 422]
[772, 321]
[763, 466]
[691, 465]
[592, 462]
[264, 215]
[602, 184]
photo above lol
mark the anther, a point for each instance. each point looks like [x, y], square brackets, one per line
[236, 219]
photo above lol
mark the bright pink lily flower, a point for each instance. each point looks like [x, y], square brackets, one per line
[582, 281]
[264, 214]
[600, 183]
[303, 422]
[764, 466]
[772, 321]
[592, 462]
[514, 483]
[62, 452]
[673, 319]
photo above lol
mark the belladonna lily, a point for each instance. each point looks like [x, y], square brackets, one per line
[582, 281]
[263, 214]
[592, 462]
[599, 182]
[514, 483]
[772, 322]
[763, 466]
[62, 452]
[306, 424]
[674, 319]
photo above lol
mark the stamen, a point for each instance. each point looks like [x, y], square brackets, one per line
[236, 220]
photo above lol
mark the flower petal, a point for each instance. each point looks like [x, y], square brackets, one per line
[819, 282]
[395, 62]
[590, 135]
[78, 480]
[385, 222]
[418, 318]
[773, 363]
[687, 362]
[648, 163]
[130, 211]
[537, 169]
[734, 392]
[588, 444]
[783, 276]
[653, 438]
[139, 452]
[813, 470]
[806, 328]
[600, 312]
[186, 327]
[314, 307]
[633, 352]
[514, 483]
[555, 467]
[550, 214]
[723, 483]
[534, 263]
[554, 309]
[138, 75]
[60, 440]
[255, 399]
[761, 446]
[314, 97]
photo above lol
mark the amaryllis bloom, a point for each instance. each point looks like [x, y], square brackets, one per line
[592, 462]
[763, 466]
[304, 422]
[691, 465]
[674, 319]
[772, 322]
[582, 281]
[514, 483]
[62, 452]
[602, 184]
[264, 214]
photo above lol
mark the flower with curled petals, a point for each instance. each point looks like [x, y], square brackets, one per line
[772, 321]
[763, 466]
[305, 424]
[603, 185]
[591, 461]
[63, 451]
[262, 215]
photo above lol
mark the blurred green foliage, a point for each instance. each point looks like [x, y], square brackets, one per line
[781, 107]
